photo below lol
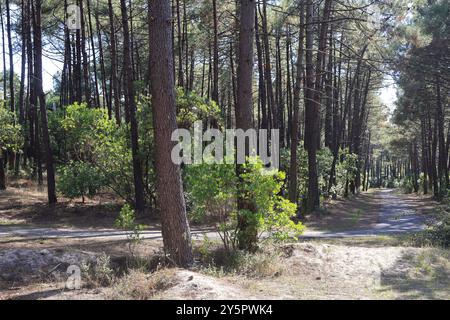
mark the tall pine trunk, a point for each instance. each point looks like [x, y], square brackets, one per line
[114, 81]
[293, 167]
[37, 29]
[169, 187]
[130, 93]
[247, 235]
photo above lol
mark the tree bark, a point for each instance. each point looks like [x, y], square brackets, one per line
[114, 81]
[169, 187]
[11, 58]
[261, 83]
[215, 91]
[5, 80]
[130, 100]
[51, 187]
[247, 237]
[293, 167]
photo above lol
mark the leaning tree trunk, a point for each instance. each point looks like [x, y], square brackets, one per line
[169, 187]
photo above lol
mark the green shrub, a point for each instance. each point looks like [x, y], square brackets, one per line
[83, 134]
[274, 212]
[346, 169]
[90, 137]
[324, 162]
[126, 218]
[127, 221]
[79, 179]
[212, 189]
[192, 107]
[10, 132]
[407, 185]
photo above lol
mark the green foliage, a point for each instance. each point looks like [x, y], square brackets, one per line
[324, 162]
[274, 212]
[79, 179]
[126, 218]
[83, 127]
[88, 135]
[213, 189]
[407, 185]
[435, 18]
[346, 169]
[10, 131]
[127, 221]
[192, 107]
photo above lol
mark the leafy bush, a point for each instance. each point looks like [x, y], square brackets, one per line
[346, 169]
[99, 273]
[126, 221]
[407, 185]
[92, 138]
[324, 162]
[274, 211]
[79, 179]
[83, 134]
[126, 218]
[10, 131]
[213, 191]
[83, 126]
[192, 107]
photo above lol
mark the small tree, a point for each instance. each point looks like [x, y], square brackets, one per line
[213, 189]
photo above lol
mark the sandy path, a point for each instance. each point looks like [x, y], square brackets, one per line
[395, 216]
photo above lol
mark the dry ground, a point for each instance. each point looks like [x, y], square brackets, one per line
[24, 203]
[299, 271]
[365, 268]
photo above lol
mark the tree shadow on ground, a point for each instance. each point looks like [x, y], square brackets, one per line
[354, 213]
[423, 276]
[38, 295]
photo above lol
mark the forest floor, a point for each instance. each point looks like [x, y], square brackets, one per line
[354, 249]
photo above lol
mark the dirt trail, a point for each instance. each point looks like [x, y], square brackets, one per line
[394, 216]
